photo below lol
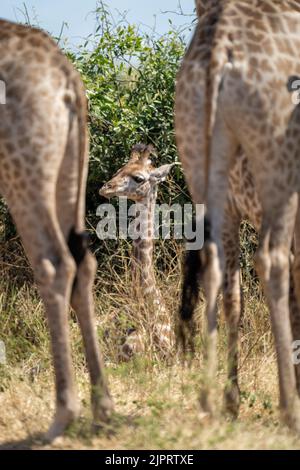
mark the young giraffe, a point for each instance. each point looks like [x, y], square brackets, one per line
[43, 167]
[232, 91]
[138, 180]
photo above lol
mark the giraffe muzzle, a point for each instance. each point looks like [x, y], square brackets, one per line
[106, 190]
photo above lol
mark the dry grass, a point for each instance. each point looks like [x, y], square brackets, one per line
[156, 409]
[156, 403]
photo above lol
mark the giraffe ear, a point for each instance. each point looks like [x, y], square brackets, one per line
[159, 174]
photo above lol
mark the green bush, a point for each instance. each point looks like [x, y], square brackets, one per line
[130, 80]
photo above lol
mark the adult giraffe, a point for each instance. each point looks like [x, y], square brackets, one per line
[233, 91]
[43, 167]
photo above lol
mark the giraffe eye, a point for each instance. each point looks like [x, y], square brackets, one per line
[138, 179]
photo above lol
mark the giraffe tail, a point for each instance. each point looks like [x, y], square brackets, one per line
[192, 276]
[83, 147]
[78, 239]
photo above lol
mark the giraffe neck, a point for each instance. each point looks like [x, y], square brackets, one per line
[142, 251]
[145, 289]
[143, 274]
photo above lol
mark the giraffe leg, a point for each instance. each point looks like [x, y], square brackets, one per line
[57, 309]
[72, 222]
[83, 304]
[273, 267]
[191, 142]
[232, 309]
[54, 271]
[295, 293]
[295, 317]
[223, 150]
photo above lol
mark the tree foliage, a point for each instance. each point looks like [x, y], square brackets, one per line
[130, 80]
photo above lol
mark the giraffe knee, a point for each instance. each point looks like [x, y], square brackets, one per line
[263, 264]
[275, 259]
[45, 272]
[279, 260]
[48, 271]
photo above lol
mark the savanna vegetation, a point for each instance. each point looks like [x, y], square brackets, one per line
[130, 77]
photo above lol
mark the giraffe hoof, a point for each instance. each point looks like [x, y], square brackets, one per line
[206, 403]
[62, 420]
[102, 410]
[293, 423]
[232, 401]
[291, 417]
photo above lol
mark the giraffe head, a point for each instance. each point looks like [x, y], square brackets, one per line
[137, 178]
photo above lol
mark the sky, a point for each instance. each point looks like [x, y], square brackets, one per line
[51, 14]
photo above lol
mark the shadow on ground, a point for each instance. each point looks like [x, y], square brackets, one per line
[82, 431]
